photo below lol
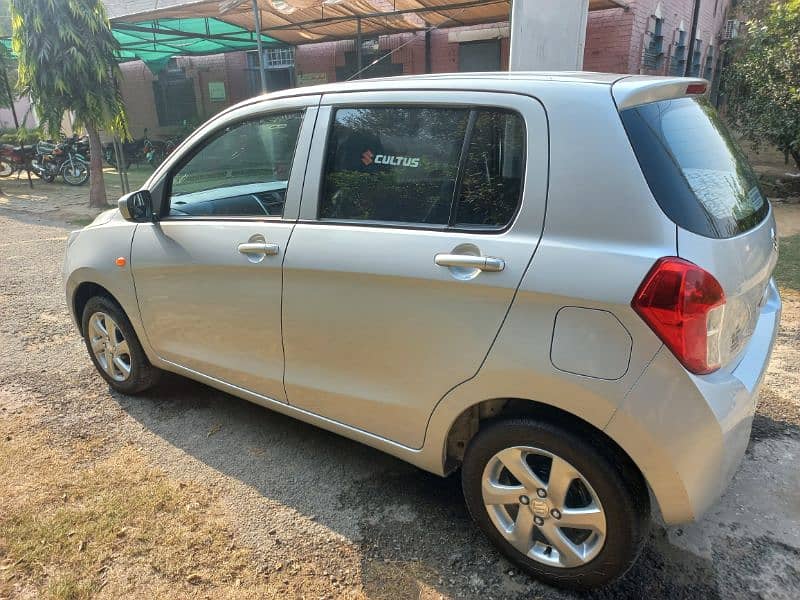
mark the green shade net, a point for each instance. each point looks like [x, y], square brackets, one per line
[155, 42]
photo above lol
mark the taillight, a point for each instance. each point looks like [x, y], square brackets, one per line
[684, 305]
[696, 89]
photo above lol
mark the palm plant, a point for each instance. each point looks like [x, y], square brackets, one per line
[67, 62]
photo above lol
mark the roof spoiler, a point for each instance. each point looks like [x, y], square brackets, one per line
[637, 90]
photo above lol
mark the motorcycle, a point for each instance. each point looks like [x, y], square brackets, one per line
[137, 151]
[15, 159]
[63, 159]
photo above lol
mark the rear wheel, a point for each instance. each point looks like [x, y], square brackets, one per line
[114, 348]
[562, 507]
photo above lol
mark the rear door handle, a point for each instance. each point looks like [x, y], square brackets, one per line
[264, 248]
[468, 261]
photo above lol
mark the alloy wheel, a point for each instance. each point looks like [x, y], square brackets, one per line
[543, 506]
[109, 346]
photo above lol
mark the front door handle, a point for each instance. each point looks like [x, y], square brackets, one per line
[264, 248]
[469, 261]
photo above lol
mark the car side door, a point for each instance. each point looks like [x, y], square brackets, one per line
[208, 271]
[420, 213]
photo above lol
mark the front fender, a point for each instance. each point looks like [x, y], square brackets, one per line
[91, 258]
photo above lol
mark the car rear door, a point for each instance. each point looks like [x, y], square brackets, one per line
[208, 272]
[420, 213]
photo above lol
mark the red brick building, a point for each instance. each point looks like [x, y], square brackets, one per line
[649, 36]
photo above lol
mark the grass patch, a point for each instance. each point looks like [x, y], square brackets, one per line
[74, 521]
[136, 177]
[787, 272]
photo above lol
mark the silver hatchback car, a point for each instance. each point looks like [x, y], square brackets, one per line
[559, 283]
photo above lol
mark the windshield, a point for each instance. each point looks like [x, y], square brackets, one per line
[696, 171]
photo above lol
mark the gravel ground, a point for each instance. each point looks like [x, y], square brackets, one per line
[319, 507]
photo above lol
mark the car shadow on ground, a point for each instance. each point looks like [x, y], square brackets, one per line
[410, 526]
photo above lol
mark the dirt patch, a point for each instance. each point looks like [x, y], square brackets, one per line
[211, 490]
[788, 217]
[85, 520]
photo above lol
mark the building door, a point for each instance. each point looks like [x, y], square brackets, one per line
[479, 56]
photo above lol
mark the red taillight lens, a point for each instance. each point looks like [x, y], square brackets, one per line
[684, 305]
[696, 88]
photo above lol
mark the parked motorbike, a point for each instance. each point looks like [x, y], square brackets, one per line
[135, 152]
[63, 159]
[15, 159]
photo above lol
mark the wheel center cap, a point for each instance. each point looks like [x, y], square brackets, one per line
[539, 507]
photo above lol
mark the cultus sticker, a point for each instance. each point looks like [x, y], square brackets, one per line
[386, 159]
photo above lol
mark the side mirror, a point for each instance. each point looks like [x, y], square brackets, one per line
[137, 206]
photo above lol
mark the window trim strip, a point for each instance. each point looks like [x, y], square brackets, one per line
[462, 163]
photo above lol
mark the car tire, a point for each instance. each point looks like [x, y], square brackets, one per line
[103, 312]
[605, 481]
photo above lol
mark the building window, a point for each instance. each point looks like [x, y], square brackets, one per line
[174, 96]
[279, 58]
[678, 66]
[278, 67]
[654, 52]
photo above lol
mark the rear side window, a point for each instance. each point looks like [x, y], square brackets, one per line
[437, 167]
[695, 169]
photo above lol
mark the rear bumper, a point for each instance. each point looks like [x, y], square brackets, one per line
[689, 433]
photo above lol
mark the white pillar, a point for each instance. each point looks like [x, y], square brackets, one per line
[548, 35]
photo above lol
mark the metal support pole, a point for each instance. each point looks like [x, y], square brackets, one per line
[359, 50]
[690, 58]
[119, 155]
[428, 67]
[261, 72]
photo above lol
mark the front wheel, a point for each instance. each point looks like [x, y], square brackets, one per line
[561, 506]
[114, 348]
[75, 172]
[6, 168]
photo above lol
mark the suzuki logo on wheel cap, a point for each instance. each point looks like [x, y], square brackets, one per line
[539, 508]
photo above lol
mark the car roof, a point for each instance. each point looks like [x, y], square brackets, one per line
[628, 90]
[500, 79]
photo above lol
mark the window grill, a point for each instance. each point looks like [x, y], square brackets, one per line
[678, 66]
[709, 68]
[654, 52]
[697, 58]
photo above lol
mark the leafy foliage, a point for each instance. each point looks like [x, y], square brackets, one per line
[67, 61]
[763, 80]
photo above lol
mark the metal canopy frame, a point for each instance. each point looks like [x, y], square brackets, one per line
[155, 41]
[312, 21]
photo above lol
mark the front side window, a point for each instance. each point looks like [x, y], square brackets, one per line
[437, 167]
[242, 171]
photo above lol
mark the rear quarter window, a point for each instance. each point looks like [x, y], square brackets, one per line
[695, 169]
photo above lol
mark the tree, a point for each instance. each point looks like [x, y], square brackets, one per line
[67, 62]
[762, 82]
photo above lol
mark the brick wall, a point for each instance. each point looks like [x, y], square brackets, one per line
[674, 13]
[615, 39]
[409, 52]
[140, 103]
[137, 89]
